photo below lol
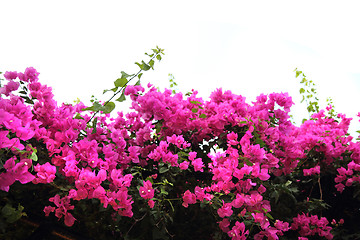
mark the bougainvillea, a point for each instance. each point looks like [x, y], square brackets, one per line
[246, 166]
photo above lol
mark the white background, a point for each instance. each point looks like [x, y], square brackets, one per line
[248, 47]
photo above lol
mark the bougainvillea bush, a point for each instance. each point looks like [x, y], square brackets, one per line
[176, 166]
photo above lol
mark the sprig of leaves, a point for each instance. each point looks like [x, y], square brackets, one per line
[172, 82]
[308, 92]
[122, 82]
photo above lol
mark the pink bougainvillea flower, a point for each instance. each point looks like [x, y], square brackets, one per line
[63, 206]
[198, 165]
[238, 231]
[151, 203]
[134, 152]
[188, 198]
[238, 201]
[15, 172]
[48, 210]
[146, 191]
[232, 138]
[184, 165]
[9, 87]
[176, 140]
[10, 75]
[224, 225]
[30, 75]
[340, 187]
[45, 173]
[192, 156]
[283, 226]
[24, 133]
[312, 171]
[69, 219]
[225, 210]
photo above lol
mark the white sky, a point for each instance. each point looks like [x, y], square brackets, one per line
[249, 47]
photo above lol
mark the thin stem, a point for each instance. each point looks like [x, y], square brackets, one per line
[320, 188]
[136, 220]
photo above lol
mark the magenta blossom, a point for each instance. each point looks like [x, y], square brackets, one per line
[225, 210]
[45, 173]
[10, 75]
[188, 198]
[146, 191]
[15, 171]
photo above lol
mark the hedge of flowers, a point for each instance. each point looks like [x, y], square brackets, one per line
[175, 160]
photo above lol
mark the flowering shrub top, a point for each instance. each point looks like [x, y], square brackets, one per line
[239, 161]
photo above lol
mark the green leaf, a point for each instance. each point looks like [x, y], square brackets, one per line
[260, 142]
[247, 161]
[275, 195]
[137, 83]
[194, 110]
[94, 125]
[310, 108]
[172, 207]
[139, 76]
[303, 99]
[7, 210]
[145, 66]
[125, 75]
[97, 106]
[28, 100]
[11, 214]
[20, 151]
[196, 102]
[163, 169]
[140, 65]
[88, 109]
[269, 216]
[94, 108]
[288, 183]
[302, 90]
[33, 156]
[109, 107]
[151, 63]
[120, 82]
[121, 98]
[158, 57]
[113, 89]
[163, 191]
[150, 55]
[78, 116]
[158, 126]
[202, 116]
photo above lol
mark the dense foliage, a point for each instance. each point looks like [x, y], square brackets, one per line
[176, 166]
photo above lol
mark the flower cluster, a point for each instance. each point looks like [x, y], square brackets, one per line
[311, 226]
[226, 154]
